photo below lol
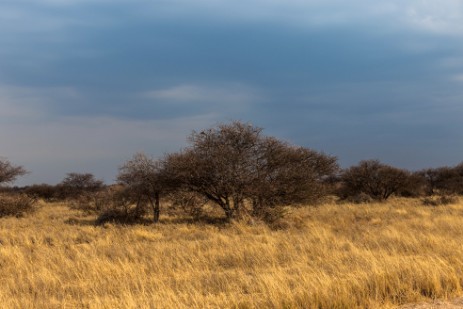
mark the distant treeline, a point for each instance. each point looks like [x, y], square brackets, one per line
[241, 171]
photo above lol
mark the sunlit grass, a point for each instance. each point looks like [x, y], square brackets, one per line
[332, 256]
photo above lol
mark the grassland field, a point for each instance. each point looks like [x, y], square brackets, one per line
[380, 255]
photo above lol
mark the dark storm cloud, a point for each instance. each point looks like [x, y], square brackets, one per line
[358, 81]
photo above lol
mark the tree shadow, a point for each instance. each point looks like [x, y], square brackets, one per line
[80, 221]
[164, 220]
[203, 220]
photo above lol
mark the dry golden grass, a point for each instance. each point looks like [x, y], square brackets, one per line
[333, 256]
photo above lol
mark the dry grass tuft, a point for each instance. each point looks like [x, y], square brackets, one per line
[332, 256]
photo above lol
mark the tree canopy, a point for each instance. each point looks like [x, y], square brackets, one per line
[9, 172]
[231, 163]
[373, 178]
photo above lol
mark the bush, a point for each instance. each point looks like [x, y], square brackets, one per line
[96, 202]
[42, 191]
[443, 180]
[16, 205]
[121, 206]
[116, 216]
[90, 202]
[273, 215]
[360, 198]
[142, 176]
[441, 200]
[189, 203]
[74, 185]
[373, 178]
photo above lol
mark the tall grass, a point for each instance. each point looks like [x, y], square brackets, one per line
[331, 256]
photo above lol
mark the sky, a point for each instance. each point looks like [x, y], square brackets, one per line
[85, 84]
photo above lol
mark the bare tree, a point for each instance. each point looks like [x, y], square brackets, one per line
[231, 163]
[13, 204]
[43, 191]
[288, 174]
[432, 178]
[221, 165]
[142, 176]
[76, 184]
[9, 172]
[446, 180]
[371, 177]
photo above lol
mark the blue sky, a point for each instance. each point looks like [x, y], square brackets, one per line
[85, 84]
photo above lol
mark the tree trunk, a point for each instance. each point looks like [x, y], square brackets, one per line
[137, 207]
[229, 212]
[257, 206]
[156, 207]
[237, 206]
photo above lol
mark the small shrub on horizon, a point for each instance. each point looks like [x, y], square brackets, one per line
[16, 205]
[41, 191]
[441, 200]
[74, 185]
[371, 177]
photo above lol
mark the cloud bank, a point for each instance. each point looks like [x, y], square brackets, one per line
[84, 84]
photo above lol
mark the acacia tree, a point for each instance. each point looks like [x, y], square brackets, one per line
[218, 165]
[451, 180]
[234, 162]
[142, 177]
[76, 184]
[441, 180]
[371, 177]
[288, 174]
[431, 178]
[9, 172]
[13, 205]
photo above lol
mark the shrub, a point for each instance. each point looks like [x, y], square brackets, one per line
[116, 216]
[187, 202]
[42, 191]
[16, 205]
[76, 184]
[91, 202]
[121, 206]
[273, 216]
[142, 177]
[371, 177]
[360, 198]
[443, 180]
[441, 200]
